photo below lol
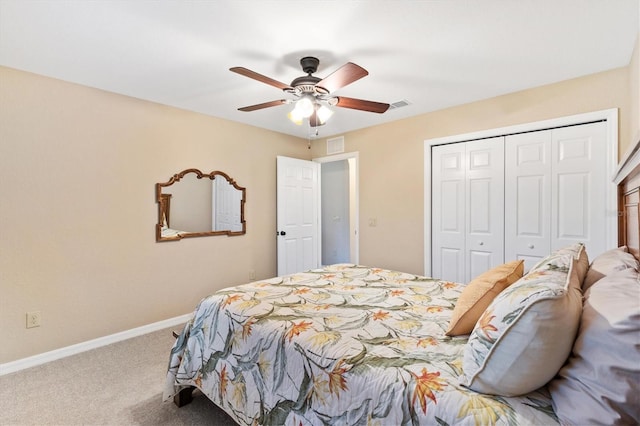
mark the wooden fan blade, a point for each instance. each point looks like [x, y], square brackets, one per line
[263, 105]
[361, 104]
[261, 78]
[346, 74]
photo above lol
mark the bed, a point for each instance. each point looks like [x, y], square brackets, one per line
[351, 344]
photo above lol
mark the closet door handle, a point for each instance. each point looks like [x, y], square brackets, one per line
[531, 246]
[480, 243]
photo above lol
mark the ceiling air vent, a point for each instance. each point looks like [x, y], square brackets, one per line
[399, 104]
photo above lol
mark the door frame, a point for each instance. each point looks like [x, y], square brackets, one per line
[354, 203]
[608, 115]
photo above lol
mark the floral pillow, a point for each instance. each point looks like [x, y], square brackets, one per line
[576, 250]
[526, 334]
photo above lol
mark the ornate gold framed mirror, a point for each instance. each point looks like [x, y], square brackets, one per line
[196, 204]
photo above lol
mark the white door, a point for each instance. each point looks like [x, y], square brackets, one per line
[467, 208]
[556, 191]
[528, 196]
[578, 185]
[448, 211]
[298, 194]
[484, 206]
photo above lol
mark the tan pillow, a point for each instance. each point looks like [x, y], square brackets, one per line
[479, 293]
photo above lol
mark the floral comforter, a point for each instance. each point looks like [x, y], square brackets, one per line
[343, 345]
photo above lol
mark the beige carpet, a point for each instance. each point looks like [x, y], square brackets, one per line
[119, 384]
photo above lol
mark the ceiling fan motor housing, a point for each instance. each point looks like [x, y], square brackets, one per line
[303, 87]
[307, 83]
[309, 64]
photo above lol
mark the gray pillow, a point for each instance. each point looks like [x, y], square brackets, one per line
[609, 262]
[600, 383]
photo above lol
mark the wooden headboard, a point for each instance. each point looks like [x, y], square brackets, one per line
[629, 202]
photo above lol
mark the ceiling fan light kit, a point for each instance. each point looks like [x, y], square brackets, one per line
[313, 93]
[324, 113]
[306, 107]
[295, 117]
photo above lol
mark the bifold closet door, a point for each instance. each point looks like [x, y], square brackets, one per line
[555, 193]
[448, 211]
[528, 197]
[467, 208]
[484, 206]
[578, 187]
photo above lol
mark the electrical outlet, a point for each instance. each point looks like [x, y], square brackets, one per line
[252, 275]
[33, 319]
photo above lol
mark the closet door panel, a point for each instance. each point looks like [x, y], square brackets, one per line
[450, 265]
[527, 196]
[448, 186]
[484, 206]
[478, 262]
[571, 218]
[578, 187]
[480, 219]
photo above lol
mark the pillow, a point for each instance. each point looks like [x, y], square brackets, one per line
[576, 250]
[608, 262]
[600, 384]
[479, 293]
[526, 334]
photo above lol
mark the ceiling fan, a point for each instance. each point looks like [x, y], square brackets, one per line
[312, 93]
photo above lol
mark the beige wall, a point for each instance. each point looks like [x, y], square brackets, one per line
[77, 213]
[391, 156]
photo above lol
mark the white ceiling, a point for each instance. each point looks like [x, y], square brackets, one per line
[433, 54]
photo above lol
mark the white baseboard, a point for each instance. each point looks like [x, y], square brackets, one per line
[32, 361]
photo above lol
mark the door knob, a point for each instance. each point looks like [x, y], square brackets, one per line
[481, 243]
[530, 246]
[283, 233]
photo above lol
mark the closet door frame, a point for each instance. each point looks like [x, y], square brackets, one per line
[608, 115]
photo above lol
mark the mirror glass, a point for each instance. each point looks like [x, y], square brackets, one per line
[196, 204]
